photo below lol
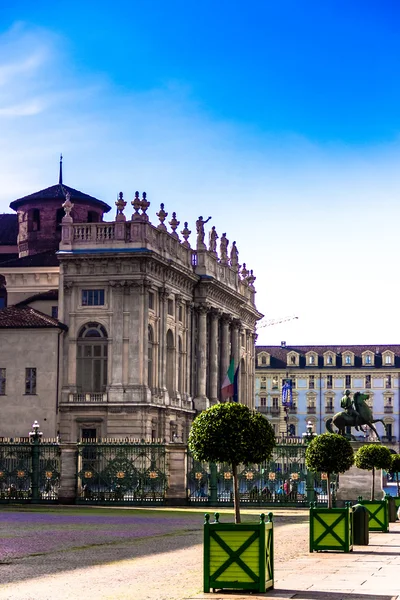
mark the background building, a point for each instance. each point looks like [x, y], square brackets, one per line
[319, 376]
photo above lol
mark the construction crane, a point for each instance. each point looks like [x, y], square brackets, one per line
[270, 322]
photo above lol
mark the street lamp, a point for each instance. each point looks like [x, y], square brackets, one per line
[309, 434]
[307, 437]
[35, 434]
[34, 437]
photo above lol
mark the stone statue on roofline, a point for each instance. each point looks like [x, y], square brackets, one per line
[212, 240]
[234, 257]
[200, 233]
[223, 249]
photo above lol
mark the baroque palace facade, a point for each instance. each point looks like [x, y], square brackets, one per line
[319, 376]
[117, 329]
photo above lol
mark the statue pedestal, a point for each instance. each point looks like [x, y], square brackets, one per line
[358, 482]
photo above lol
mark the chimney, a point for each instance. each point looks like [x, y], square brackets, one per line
[283, 344]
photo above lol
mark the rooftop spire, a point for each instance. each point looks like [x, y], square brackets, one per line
[60, 177]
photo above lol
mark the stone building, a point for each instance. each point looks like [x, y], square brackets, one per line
[145, 324]
[319, 375]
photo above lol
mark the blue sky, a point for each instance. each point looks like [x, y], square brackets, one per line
[279, 119]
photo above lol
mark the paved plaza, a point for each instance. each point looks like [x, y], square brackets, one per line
[157, 555]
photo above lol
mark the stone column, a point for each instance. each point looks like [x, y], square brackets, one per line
[117, 339]
[225, 347]
[144, 321]
[201, 401]
[133, 364]
[213, 360]
[176, 459]
[189, 333]
[67, 489]
[163, 294]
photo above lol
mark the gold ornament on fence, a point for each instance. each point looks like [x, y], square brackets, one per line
[1, 474]
[249, 475]
[295, 476]
[272, 476]
[153, 475]
[227, 475]
[120, 474]
[49, 474]
[88, 474]
[324, 475]
[199, 475]
[20, 474]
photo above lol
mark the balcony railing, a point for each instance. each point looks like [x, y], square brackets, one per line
[388, 409]
[329, 409]
[311, 410]
[93, 398]
[269, 410]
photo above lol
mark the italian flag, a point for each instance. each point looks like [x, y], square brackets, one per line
[229, 386]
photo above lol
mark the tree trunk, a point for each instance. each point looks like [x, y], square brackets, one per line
[236, 503]
[328, 483]
[373, 484]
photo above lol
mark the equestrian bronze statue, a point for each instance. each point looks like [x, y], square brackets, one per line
[355, 414]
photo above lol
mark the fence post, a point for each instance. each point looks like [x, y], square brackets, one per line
[67, 489]
[176, 459]
[213, 484]
[35, 469]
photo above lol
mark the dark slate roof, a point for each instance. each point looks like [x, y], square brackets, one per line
[49, 295]
[17, 317]
[43, 259]
[59, 191]
[7, 257]
[8, 229]
[279, 354]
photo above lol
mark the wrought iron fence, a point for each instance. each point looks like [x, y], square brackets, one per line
[121, 472]
[29, 472]
[282, 480]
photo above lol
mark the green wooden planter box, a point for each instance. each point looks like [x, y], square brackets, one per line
[397, 503]
[378, 514]
[331, 528]
[238, 556]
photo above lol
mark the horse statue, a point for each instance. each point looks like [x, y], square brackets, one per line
[365, 417]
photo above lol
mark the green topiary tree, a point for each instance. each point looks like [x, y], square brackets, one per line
[329, 453]
[396, 469]
[371, 457]
[234, 434]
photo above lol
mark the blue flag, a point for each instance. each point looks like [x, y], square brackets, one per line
[287, 395]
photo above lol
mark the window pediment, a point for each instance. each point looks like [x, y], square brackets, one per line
[293, 359]
[263, 359]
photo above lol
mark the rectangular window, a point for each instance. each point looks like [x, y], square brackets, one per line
[275, 402]
[388, 381]
[274, 383]
[92, 297]
[180, 314]
[151, 300]
[170, 307]
[329, 382]
[388, 359]
[348, 381]
[368, 382]
[263, 402]
[263, 383]
[368, 359]
[389, 431]
[54, 312]
[30, 380]
[311, 382]
[2, 382]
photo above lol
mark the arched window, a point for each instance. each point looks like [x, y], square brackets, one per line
[170, 363]
[34, 219]
[150, 357]
[91, 358]
[3, 292]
